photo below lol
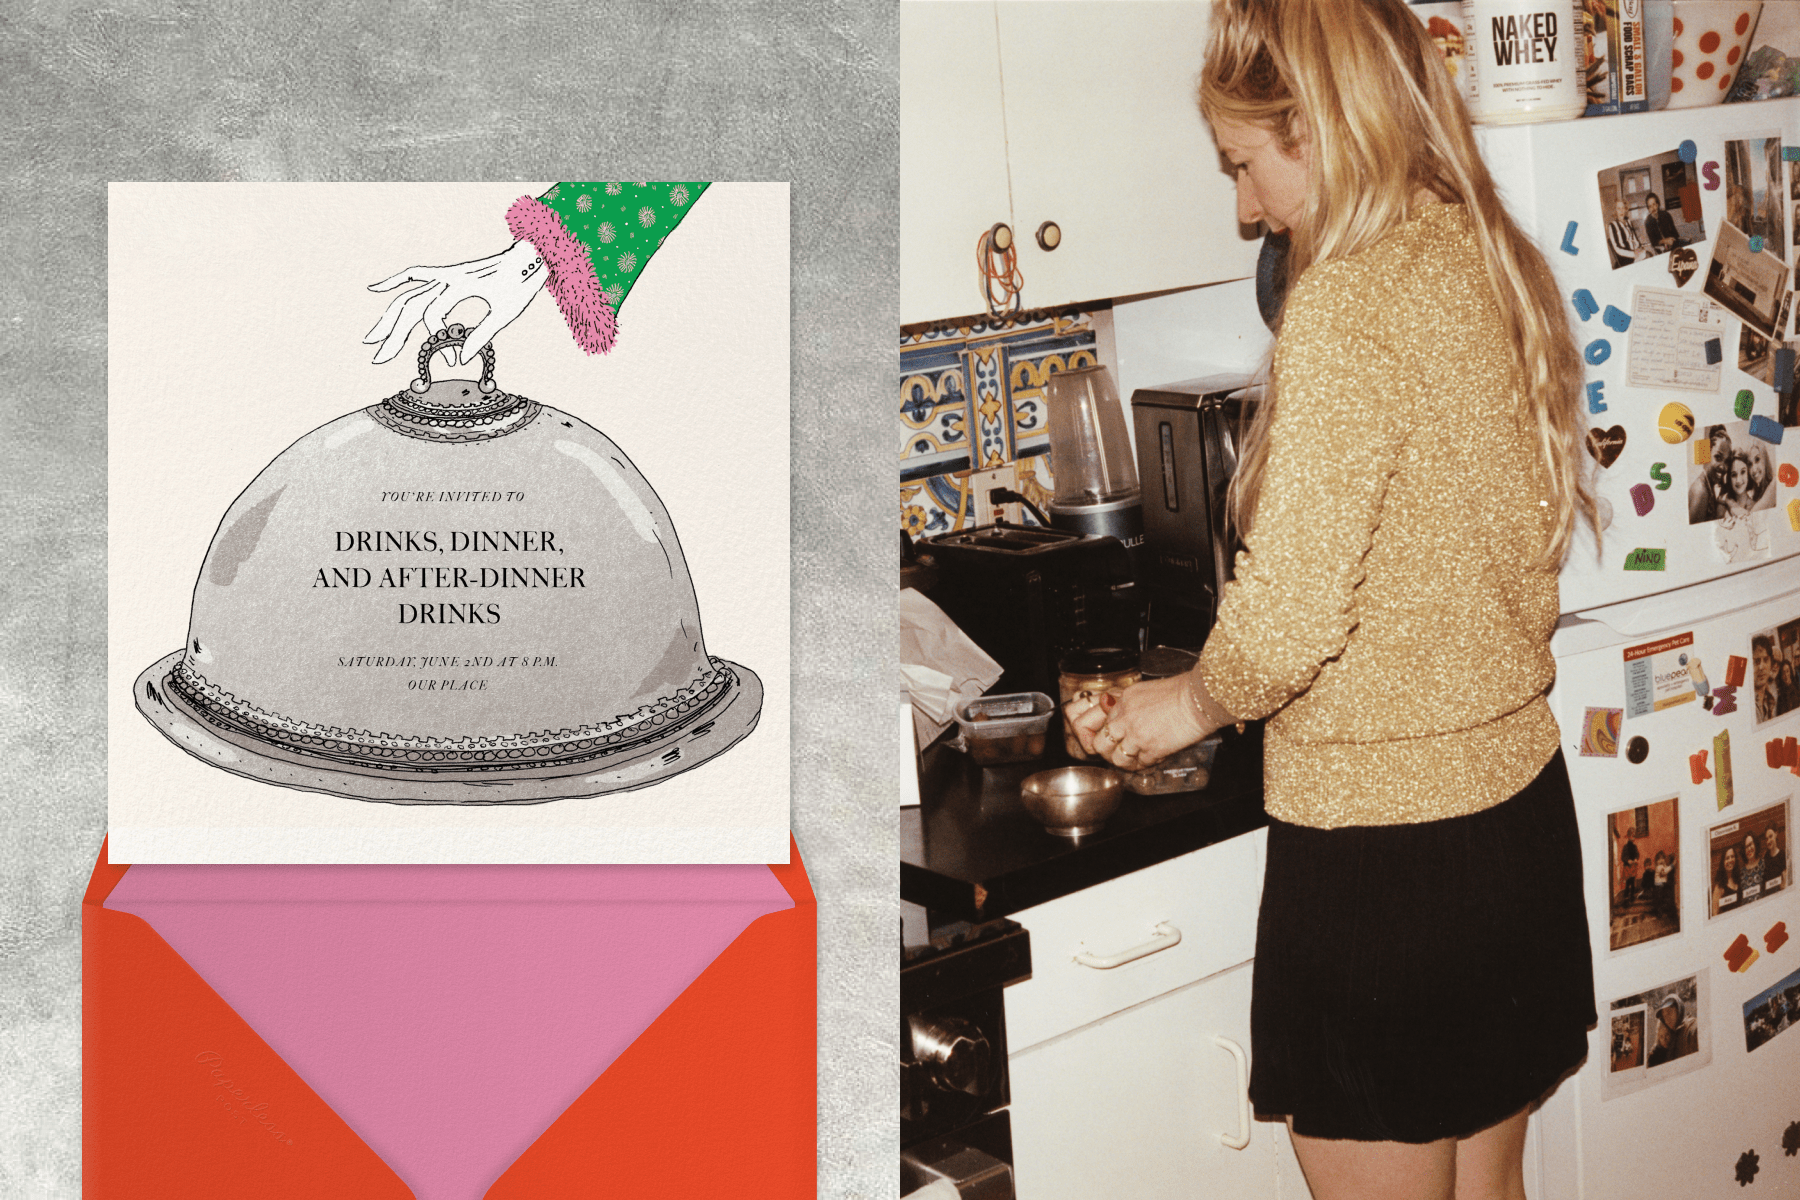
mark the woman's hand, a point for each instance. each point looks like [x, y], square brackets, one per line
[1143, 725]
[505, 282]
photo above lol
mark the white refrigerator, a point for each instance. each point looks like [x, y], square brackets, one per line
[1673, 693]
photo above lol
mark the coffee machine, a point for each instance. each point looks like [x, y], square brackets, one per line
[1187, 449]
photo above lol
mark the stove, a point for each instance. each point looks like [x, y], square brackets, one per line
[954, 1088]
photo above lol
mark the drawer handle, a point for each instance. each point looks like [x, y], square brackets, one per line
[1243, 1090]
[1165, 937]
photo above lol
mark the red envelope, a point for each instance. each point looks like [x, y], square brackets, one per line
[182, 1097]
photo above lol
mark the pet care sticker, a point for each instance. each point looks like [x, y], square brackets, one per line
[1656, 675]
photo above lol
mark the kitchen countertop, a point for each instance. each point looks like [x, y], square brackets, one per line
[969, 850]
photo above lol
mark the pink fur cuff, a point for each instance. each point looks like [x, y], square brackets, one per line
[572, 281]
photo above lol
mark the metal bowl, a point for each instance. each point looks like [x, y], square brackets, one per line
[1073, 802]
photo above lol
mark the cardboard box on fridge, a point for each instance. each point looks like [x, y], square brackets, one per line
[485, 1031]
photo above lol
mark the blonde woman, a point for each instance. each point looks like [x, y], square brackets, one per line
[1406, 498]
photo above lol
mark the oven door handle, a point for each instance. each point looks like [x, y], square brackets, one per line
[1165, 937]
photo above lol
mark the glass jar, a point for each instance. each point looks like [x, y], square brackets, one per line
[1087, 674]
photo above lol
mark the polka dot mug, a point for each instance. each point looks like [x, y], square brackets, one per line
[1711, 39]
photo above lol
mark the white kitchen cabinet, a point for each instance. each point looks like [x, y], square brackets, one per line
[1085, 114]
[952, 155]
[1119, 1084]
[1138, 1103]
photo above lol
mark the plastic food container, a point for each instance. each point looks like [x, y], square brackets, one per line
[1005, 729]
[1186, 770]
[1183, 771]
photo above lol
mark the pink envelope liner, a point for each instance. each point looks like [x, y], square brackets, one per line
[449, 1014]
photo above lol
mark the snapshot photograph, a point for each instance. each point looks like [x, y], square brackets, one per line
[1731, 481]
[1674, 1018]
[1749, 859]
[1652, 206]
[1772, 1011]
[1753, 199]
[1749, 282]
[1775, 670]
[1644, 884]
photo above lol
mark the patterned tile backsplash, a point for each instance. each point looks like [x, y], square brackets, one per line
[972, 399]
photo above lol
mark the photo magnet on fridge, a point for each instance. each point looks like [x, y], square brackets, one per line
[1651, 206]
[1657, 1034]
[1748, 860]
[1643, 871]
[1775, 670]
[1771, 1012]
[1731, 481]
[516, 590]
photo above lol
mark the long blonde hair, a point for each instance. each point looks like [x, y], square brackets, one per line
[1361, 79]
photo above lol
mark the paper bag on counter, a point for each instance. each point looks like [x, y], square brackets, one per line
[940, 667]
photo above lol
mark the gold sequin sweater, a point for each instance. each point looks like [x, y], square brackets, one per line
[1389, 615]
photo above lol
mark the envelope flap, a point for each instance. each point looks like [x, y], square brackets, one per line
[105, 878]
[448, 1014]
[792, 875]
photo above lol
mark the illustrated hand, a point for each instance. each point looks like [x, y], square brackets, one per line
[505, 282]
[1141, 725]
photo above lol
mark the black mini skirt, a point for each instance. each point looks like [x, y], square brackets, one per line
[1417, 982]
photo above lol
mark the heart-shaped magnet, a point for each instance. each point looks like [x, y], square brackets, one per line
[1683, 262]
[1606, 444]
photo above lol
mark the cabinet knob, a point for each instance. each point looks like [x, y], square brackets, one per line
[1049, 235]
[956, 1053]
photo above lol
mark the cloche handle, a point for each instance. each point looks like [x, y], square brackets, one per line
[452, 335]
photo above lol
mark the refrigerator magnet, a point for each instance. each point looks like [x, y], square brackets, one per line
[1683, 262]
[1734, 670]
[1675, 422]
[1600, 732]
[1722, 766]
[1697, 767]
[1724, 701]
[1740, 954]
[1747, 858]
[1775, 937]
[1643, 873]
[1769, 1013]
[1606, 444]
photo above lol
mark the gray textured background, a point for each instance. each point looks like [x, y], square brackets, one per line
[443, 90]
